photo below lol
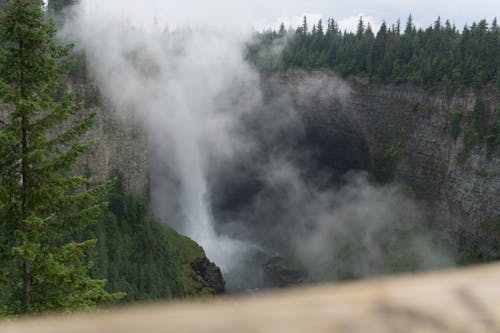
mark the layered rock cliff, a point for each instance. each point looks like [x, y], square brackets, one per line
[120, 143]
[408, 135]
[417, 127]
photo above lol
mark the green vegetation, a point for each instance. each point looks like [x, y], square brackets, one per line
[479, 118]
[196, 282]
[388, 159]
[437, 57]
[486, 250]
[482, 128]
[133, 253]
[41, 205]
[140, 256]
[394, 151]
[456, 121]
[62, 248]
[493, 135]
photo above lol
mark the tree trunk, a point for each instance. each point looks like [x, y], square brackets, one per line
[26, 286]
[24, 214]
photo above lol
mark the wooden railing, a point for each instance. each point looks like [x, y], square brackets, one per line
[461, 301]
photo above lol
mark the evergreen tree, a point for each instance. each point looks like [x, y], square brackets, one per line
[378, 50]
[42, 206]
[305, 28]
[321, 30]
[439, 57]
[409, 25]
[282, 30]
[361, 27]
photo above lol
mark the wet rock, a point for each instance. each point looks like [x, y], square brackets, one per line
[281, 272]
[210, 274]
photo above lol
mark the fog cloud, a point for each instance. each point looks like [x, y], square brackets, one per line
[296, 204]
[220, 133]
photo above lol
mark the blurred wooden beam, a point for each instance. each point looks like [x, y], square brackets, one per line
[461, 301]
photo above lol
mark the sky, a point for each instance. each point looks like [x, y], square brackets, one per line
[262, 14]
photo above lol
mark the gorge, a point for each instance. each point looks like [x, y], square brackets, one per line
[396, 134]
[309, 172]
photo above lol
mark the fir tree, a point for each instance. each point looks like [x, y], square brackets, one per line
[42, 205]
[439, 57]
[320, 28]
[305, 28]
[361, 27]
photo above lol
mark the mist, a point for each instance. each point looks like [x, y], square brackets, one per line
[229, 163]
[315, 202]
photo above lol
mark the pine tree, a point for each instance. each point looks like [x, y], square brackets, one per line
[305, 28]
[361, 28]
[439, 57]
[321, 30]
[378, 50]
[282, 30]
[42, 206]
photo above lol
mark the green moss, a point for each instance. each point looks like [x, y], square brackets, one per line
[471, 137]
[456, 121]
[190, 253]
[394, 151]
[488, 249]
[189, 249]
[387, 160]
[419, 190]
[425, 107]
[477, 128]
[493, 137]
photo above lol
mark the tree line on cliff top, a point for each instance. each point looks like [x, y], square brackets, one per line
[440, 56]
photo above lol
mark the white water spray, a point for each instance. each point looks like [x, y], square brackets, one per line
[186, 89]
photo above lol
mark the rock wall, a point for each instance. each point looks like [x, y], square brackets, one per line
[120, 143]
[404, 130]
[412, 127]
[408, 134]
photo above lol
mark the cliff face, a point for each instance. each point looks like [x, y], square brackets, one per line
[408, 132]
[120, 143]
[412, 129]
[400, 133]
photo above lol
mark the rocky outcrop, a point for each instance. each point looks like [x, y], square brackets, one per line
[281, 272]
[209, 274]
[201, 277]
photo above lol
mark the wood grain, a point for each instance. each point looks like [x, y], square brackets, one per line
[461, 301]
